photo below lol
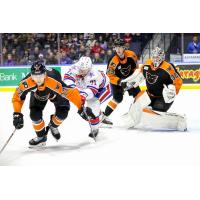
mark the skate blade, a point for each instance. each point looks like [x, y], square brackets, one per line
[92, 139]
[55, 138]
[39, 146]
[105, 125]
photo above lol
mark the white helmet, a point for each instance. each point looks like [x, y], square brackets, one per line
[84, 65]
[157, 56]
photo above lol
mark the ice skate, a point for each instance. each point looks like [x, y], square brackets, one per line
[106, 122]
[38, 142]
[93, 134]
[55, 132]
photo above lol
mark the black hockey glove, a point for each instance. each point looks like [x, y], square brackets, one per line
[82, 113]
[89, 113]
[86, 113]
[122, 84]
[18, 120]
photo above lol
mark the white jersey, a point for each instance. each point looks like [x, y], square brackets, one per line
[89, 85]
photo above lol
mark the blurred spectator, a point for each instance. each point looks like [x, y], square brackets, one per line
[91, 40]
[4, 53]
[96, 48]
[25, 59]
[102, 43]
[9, 61]
[109, 54]
[194, 46]
[28, 47]
[103, 55]
[97, 59]
[64, 59]
[128, 38]
[81, 51]
[51, 60]
[42, 59]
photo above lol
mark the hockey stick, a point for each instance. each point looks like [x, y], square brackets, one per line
[7, 141]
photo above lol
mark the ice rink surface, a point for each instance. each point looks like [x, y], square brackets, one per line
[114, 146]
[122, 164]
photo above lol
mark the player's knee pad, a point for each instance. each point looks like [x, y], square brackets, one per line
[62, 112]
[35, 114]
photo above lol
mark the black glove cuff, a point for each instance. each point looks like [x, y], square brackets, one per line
[18, 113]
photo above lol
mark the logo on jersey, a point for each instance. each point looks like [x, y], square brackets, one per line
[19, 91]
[64, 92]
[57, 87]
[113, 64]
[110, 71]
[125, 71]
[151, 79]
[174, 76]
[25, 84]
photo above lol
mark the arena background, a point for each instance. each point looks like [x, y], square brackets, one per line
[59, 51]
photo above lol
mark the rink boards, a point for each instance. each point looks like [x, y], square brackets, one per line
[11, 76]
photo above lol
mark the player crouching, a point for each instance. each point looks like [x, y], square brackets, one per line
[150, 107]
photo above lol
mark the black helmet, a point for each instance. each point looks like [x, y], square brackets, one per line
[38, 68]
[119, 42]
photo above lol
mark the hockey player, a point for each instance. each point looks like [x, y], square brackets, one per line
[94, 88]
[120, 66]
[163, 83]
[44, 85]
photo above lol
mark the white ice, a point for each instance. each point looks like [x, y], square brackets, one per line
[114, 146]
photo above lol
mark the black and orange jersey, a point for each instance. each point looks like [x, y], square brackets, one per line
[166, 74]
[119, 69]
[53, 86]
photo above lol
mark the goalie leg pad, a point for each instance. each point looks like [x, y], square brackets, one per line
[163, 120]
[133, 117]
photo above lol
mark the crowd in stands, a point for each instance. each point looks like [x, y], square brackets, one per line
[53, 48]
[194, 46]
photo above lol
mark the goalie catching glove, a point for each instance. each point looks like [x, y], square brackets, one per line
[169, 93]
[134, 80]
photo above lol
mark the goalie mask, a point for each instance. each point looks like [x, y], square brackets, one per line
[157, 56]
[38, 73]
[84, 66]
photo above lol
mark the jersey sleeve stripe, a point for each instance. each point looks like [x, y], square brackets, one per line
[67, 76]
[94, 90]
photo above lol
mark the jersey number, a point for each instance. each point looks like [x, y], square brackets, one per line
[93, 82]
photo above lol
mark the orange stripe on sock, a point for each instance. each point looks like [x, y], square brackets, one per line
[39, 127]
[56, 121]
[112, 104]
